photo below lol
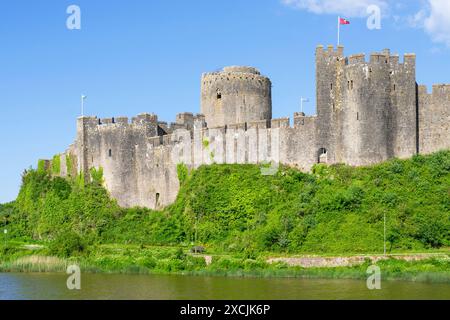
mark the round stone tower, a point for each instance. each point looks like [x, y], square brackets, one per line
[235, 95]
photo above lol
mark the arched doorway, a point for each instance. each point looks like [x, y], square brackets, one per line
[322, 156]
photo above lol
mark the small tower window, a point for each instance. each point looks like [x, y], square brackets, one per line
[110, 153]
[331, 86]
[219, 96]
[157, 200]
[351, 85]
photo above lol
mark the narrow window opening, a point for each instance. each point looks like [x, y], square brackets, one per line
[357, 116]
[110, 153]
[351, 85]
[219, 96]
[348, 85]
[395, 87]
[157, 200]
[331, 86]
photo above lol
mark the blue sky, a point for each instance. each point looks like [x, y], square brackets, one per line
[147, 56]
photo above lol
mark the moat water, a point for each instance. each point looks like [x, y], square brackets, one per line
[158, 287]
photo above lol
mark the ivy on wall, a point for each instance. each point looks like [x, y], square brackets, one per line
[56, 164]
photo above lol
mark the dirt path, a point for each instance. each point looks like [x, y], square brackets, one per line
[320, 262]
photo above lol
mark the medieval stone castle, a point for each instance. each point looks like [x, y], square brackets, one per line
[367, 112]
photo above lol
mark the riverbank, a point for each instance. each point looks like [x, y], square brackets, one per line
[131, 259]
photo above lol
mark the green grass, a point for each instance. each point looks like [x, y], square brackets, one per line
[137, 259]
[242, 217]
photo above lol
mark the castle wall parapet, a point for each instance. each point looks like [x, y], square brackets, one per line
[280, 123]
[261, 124]
[368, 110]
[356, 58]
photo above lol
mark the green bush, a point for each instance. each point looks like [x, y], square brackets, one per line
[67, 244]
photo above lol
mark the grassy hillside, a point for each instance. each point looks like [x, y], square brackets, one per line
[336, 209]
[233, 208]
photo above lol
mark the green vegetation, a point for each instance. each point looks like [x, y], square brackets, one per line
[242, 217]
[182, 172]
[56, 164]
[41, 166]
[336, 210]
[140, 259]
[69, 164]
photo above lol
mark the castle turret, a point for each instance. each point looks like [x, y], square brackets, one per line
[235, 95]
[329, 72]
[367, 110]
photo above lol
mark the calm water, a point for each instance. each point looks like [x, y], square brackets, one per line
[155, 287]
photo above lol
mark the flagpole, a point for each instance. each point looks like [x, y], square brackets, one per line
[83, 97]
[82, 105]
[339, 30]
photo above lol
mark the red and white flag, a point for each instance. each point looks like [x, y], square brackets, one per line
[343, 21]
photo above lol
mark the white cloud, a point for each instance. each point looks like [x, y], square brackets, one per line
[433, 16]
[437, 21]
[417, 20]
[347, 8]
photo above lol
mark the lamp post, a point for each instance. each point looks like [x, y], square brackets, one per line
[385, 234]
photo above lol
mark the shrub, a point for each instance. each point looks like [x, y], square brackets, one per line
[67, 244]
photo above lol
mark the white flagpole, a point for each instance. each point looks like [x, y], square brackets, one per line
[301, 102]
[339, 30]
[82, 104]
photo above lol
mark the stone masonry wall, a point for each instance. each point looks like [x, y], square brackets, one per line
[367, 112]
[434, 119]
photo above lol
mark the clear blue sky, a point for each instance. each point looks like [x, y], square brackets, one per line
[147, 56]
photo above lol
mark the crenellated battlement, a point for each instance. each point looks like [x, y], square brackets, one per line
[330, 50]
[369, 109]
[438, 91]
[213, 79]
[441, 90]
[145, 118]
[358, 58]
[381, 59]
